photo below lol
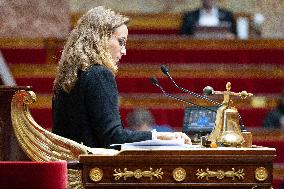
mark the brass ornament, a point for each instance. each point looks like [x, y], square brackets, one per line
[220, 174]
[96, 174]
[227, 130]
[261, 174]
[179, 174]
[138, 173]
[40, 144]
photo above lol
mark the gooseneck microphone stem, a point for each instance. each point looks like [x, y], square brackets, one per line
[166, 72]
[154, 81]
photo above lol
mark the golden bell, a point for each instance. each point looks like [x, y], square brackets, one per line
[227, 130]
[231, 135]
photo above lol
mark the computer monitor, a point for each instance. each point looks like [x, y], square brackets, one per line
[199, 120]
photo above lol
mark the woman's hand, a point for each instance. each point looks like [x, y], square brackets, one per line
[173, 136]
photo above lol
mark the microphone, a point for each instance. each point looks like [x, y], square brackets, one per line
[166, 72]
[208, 90]
[154, 81]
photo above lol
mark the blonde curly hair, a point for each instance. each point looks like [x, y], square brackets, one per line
[88, 44]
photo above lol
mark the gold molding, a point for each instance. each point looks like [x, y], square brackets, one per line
[138, 173]
[198, 70]
[96, 174]
[40, 144]
[155, 21]
[193, 70]
[261, 174]
[152, 100]
[178, 42]
[33, 70]
[179, 174]
[153, 42]
[267, 135]
[145, 20]
[31, 43]
[220, 174]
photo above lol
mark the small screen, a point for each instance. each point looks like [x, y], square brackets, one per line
[199, 120]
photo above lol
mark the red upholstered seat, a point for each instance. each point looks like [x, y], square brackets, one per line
[30, 175]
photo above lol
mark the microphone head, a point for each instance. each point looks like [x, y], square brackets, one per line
[154, 80]
[208, 90]
[165, 70]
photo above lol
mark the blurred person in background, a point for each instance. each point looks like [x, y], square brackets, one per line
[275, 118]
[208, 15]
[143, 120]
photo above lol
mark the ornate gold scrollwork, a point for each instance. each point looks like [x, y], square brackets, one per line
[96, 174]
[40, 144]
[179, 174]
[138, 174]
[220, 174]
[261, 174]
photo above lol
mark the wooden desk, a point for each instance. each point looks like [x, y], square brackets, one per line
[191, 168]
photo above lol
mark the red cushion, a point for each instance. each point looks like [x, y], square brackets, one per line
[44, 175]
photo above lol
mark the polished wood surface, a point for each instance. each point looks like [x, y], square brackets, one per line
[160, 21]
[232, 168]
[262, 134]
[9, 147]
[219, 32]
[179, 42]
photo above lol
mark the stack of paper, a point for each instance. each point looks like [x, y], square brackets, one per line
[156, 145]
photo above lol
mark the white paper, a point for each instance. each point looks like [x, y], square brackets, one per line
[103, 151]
[177, 144]
[157, 142]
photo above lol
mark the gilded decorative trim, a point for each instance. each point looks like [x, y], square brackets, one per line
[179, 174]
[96, 174]
[155, 21]
[141, 42]
[194, 70]
[220, 174]
[37, 43]
[75, 179]
[179, 42]
[152, 100]
[145, 21]
[40, 144]
[138, 173]
[261, 174]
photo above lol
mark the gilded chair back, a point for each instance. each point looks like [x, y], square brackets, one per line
[40, 144]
